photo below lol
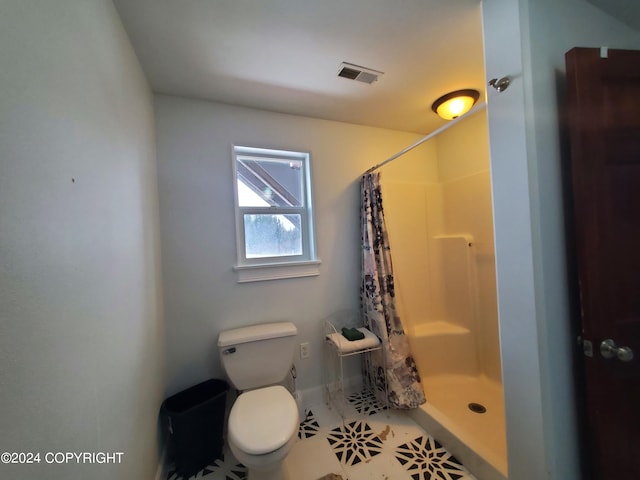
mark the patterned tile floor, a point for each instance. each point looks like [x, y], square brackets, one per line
[372, 443]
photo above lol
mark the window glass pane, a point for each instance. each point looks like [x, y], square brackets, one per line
[269, 235]
[269, 182]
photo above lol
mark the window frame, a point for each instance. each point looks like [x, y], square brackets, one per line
[281, 266]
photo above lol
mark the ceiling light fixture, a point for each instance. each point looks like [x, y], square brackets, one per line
[454, 104]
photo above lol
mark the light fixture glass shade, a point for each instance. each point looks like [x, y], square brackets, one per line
[454, 104]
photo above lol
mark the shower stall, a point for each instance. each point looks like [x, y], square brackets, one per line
[439, 217]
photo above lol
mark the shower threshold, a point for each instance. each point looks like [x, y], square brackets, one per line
[477, 439]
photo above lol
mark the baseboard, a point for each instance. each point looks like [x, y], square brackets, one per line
[315, 395]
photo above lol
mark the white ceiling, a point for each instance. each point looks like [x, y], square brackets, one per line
[284, 55]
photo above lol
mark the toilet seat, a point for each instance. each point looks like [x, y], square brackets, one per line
[263, 420]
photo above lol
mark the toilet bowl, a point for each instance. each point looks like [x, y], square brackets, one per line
[264, 419]
[263, 426]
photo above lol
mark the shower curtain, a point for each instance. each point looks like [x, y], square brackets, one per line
[391, 371]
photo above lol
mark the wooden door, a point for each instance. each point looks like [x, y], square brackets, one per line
[604, 125]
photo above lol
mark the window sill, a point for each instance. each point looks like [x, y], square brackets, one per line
[277, 271]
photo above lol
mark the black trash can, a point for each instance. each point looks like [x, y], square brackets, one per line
[195, 420]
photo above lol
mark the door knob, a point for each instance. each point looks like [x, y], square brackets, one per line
[609, 349]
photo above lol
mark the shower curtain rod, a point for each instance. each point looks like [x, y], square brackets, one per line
[451, 123]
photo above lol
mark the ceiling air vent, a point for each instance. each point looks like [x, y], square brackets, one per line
[358, 73]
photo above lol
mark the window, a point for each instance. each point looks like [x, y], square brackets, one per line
[274, 218]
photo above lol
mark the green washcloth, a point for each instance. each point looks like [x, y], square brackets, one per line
[352, 334]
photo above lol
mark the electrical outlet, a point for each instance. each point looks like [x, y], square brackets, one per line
[305, 350]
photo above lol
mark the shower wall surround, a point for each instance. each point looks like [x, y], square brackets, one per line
[426, 210]
[441, 234]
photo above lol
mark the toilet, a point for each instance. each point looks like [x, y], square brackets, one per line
[263, 422]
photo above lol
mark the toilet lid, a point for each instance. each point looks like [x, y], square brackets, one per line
[263, 420]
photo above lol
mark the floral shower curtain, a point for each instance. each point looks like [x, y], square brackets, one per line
[392, 367]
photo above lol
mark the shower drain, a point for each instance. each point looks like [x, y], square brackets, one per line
[477, 408]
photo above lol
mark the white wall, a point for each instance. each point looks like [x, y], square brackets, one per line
[527, 41]
[551, 28]
[198, 232]
[517, 313]
[80, 299]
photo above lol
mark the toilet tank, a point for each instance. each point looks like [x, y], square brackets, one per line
[257, 355]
